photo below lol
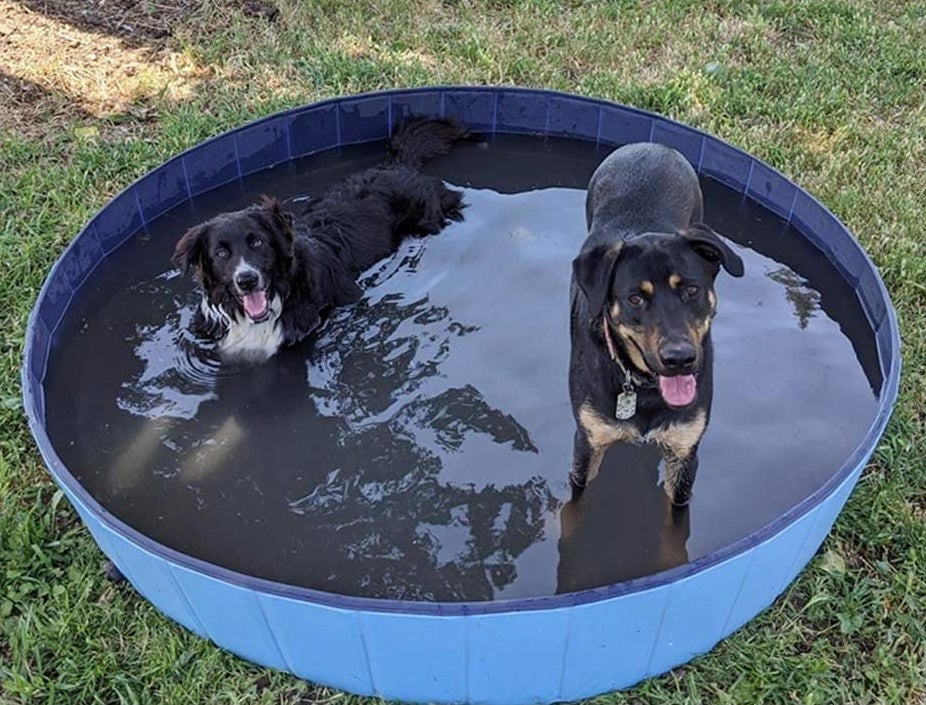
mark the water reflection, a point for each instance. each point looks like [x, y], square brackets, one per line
[623, 527]
[804, 300]
[400, 525]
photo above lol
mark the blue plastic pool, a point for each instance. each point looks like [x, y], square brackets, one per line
[541, 649]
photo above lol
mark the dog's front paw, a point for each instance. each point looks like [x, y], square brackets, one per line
[679, 498]
[679, 478]
[577, 483]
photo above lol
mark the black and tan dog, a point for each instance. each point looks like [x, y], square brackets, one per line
[642, 300]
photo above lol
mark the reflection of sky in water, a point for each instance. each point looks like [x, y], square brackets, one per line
[422, 450]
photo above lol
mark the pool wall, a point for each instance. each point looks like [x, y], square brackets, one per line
[536, 650]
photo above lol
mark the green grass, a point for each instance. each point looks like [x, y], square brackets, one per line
[829, 92]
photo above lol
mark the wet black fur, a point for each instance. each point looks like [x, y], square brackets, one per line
[644, 209]
[311, 258]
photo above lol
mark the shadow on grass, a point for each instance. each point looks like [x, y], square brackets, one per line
[138, 24]
[34, 107]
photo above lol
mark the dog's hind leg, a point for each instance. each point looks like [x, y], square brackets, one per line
[419, 204]
[418, 140]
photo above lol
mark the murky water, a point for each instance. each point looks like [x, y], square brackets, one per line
[419, 447]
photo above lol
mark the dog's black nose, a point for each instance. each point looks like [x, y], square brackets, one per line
[247, 280]
[678, 355]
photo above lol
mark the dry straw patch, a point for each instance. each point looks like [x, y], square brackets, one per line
[53, 70]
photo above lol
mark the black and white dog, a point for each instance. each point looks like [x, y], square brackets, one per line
[268, 277]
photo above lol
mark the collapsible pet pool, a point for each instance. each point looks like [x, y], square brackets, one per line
[400, 526]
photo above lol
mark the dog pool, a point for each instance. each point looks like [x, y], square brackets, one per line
[400, 481]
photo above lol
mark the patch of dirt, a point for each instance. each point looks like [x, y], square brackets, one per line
[66, 61]
[27, 103]
[136, 22]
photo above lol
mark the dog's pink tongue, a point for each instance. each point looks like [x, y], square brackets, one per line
[679, 390]
[255, 304]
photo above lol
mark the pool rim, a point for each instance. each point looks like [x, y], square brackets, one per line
[854, 461]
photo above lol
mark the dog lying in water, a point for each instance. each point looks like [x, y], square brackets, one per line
[642, 300]
[268, 277]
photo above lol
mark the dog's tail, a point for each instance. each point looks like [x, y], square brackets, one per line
[417, 140]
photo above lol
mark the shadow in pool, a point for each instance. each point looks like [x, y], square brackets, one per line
[623, 527]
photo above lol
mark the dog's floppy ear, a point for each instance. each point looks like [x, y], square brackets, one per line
[711, 247]
[189, 249]
[280, 224]
[280, 218]
[593, 271]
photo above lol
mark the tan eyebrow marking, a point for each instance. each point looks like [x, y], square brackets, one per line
[674, 280]
[647, 287]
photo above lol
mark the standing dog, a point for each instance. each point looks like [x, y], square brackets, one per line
[642, 300]
[268, 278]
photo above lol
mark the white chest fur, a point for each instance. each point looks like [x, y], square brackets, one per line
[245, 339]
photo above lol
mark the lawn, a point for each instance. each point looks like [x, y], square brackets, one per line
[831, 92]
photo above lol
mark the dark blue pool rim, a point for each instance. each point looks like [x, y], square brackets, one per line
[539, 650]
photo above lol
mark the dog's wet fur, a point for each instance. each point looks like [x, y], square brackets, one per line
[642, 301]
[269, 276]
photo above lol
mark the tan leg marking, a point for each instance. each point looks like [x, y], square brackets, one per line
[602, 433]
[677, 442]
[680, 438]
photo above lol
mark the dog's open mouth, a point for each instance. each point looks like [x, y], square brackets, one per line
[256, 306]
[679, 390]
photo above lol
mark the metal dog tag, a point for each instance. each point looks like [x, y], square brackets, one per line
[626, 405]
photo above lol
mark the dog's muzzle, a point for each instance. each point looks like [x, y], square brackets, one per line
[678, 386]
[253, 295]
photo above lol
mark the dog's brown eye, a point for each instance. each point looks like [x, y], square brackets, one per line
[221, 253]
[256, 242]
[692, 290]
[635, 300]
